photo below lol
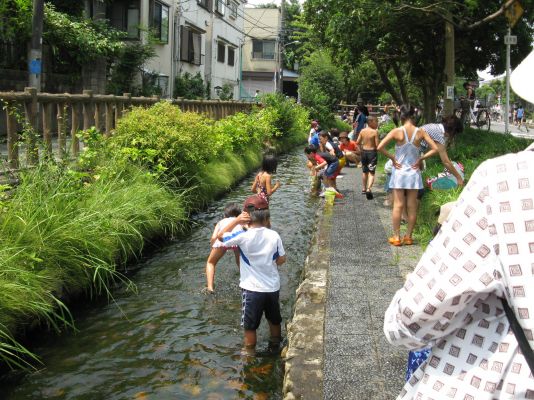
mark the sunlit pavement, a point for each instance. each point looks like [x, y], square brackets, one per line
[514, 130]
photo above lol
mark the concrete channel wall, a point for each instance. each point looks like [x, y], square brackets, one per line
[305, 353]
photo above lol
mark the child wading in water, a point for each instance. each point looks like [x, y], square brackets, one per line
[368, 142]
[262, 185]
[262, 253]
[218, 249]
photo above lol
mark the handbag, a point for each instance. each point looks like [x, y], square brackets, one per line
[519, 335]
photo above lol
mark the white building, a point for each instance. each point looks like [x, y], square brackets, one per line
[194, 36]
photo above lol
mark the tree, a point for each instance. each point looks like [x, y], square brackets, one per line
[321, 86]
[407, 40]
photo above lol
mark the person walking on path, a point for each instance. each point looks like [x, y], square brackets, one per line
[441, 134]
[406, 178]
[479, 263]
[368, 141]
[262, 252]
[262, 184]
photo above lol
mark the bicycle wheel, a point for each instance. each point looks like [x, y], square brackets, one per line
[483, 120]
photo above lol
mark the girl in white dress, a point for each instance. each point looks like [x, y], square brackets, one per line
[406, 178]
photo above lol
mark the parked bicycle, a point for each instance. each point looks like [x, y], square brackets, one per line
[481, 118]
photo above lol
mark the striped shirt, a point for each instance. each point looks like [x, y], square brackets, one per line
[436, 132]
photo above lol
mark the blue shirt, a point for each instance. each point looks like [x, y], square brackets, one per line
[315, 139]
[361, 120]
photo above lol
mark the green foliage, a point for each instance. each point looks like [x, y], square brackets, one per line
[60, 235]
[126, 67]
[84, 39]
[341, 126]
[166, 140]
[189, 86]
[15, 20]
[321, 87]
[227, 92]
[470, 148]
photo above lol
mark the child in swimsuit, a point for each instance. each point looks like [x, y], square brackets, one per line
[262, 185]
[218, 249]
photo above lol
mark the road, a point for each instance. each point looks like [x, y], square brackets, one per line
[499, 127]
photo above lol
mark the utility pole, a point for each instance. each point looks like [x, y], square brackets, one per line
[507, 105]
[281, 45]
[448, 105]
[35, 65]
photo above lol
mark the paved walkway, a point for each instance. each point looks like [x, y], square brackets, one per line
[363, 277]
[337, 349]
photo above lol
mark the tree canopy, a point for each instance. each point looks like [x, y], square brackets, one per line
[406, 39]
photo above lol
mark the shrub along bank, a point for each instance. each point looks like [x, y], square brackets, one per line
[67, 229]
[470, 148]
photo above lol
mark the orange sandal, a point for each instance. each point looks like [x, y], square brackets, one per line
[407, 240]
[395, 242]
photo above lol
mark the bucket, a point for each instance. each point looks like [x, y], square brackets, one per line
[329, 196]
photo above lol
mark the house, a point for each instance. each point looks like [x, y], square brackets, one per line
[194, 36]
[261, 52]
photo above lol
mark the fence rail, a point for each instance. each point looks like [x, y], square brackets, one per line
[60, 114]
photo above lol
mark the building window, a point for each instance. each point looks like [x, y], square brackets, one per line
[220, 51]
[190, 45]
[124, 15]
[263, 49]
[160, 22]
[232, 6]
[205, 4]
[220, 6]
[231, 56]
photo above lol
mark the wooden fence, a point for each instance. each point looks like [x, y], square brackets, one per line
[63, 114]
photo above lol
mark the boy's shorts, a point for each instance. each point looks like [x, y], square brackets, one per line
[331, 170]
[369, 160]
[253, 304]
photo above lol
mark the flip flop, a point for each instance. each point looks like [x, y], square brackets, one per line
[394, 242]
[406, 240]
[369, 195]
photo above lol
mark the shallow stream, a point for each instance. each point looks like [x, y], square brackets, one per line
[170, 341]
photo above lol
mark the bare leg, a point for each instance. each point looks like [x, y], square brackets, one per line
[214, 257]
[364, 180]
[276, 336]
[398, 205]
[370, 181]
[411, 205]
[250, 339]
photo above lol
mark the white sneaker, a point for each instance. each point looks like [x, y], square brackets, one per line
[321, 194]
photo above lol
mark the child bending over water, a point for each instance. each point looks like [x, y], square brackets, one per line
[218, 249]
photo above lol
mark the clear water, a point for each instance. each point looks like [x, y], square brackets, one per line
[170, 341]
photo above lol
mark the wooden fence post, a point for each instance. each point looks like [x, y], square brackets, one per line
[75, 142]
[12, 137]
[97, 116]
[86, 109]
[109, 118]
[47, 129]
[127, 104]
[32, 111]
[61, 136]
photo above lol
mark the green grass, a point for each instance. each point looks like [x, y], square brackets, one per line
[470, 148]
[60, 237]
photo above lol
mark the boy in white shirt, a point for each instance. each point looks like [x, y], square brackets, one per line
[261, 253]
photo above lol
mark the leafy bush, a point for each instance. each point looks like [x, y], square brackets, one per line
[166, 140]
[189, 86]
[227, 92]
[286, 117]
